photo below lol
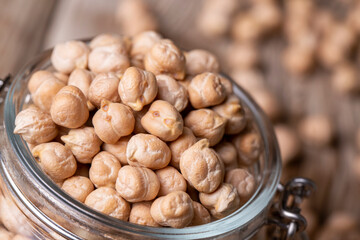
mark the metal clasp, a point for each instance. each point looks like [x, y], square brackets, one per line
[285, 213]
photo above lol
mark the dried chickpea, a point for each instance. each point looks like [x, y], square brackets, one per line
[227, 85]
[138, 128]
[267, 14]
[172, 91]
[298, 60]
[69, 107]
[245, 28]
[174, 210]
[202, 167]
[234, 113]
[113, 121]
[70, 55]
[62, 77]
[104, 86]
[163, 121]
[55, 159]
[289, 142]
[268, 102]
[83, 142]
[248, 146]
[104, 170]
[137, 184]
[206, 90]
[118, 149]
[316, 130]
[199, 61]
[206, 123]
[165, 58]
[243, 181]
[249, 80]
[6, 235]
[244, 55]
[330, 55]
[141, 45]
[170, 181]
[137, 88]
[201, 215]
[177, 147]
[106, 200]
[228, 154]
[82, 79]
[78, 187]
[38, 78]
[140, 214]
[146, 150]
[222, 202]
[107, 39]
[35, 125]
[345, 78]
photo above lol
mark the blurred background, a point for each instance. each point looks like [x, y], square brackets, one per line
[299, 59]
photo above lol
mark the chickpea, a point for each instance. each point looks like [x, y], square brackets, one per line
[6, 235]
[165, 58]
[69, 108]
[118, 149]
[345, 79]
[137, 184]
[248, 146]
[201, 215]
[243, 181]
[113, 121]
[316, 130]
[298, 60]
[138, 128]
[104, 86]
[246, 28]
[268, 15]
[242, 55]
[170, 181]
[172, 91]
[70, 55]
[104, 170]
[38, 78]
[268, 102]
[140, 214]
[109, 58]
[35, 126]
[82, 79]
[227, 85]
[174, 210]
[62, 77]
[234, 113]
[137, 88]
[106, 200]
[177, 147]
[330, 54]
[224, 201]
[78, 187]
[206, 123]
[83, 142]
[228, 154]
[289, 143]
[107, 39]
[146, 150]
[141, 45]
[55, 159]
[249, 80]
[206, 90]
[199, 61]
[202, 167]
[163, 121]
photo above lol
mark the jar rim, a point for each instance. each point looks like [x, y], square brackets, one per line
[254, 207]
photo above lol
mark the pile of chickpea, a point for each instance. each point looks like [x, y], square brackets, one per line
[139, 130]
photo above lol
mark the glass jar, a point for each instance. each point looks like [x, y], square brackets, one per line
[34, 206]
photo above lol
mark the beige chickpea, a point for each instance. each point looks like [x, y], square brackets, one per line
[227, 85]
[140, 214]
[104, 170]
[268, 102]
[224, 201]
[82, 79]
[70, 55]
[62, 77]
[141, 45]
[78, 187]
[242, 55]
[165, 58]
[104, 86]
[38, 78]
[206, 123]
[201, 215]
[146, 150]
[6, 235]
[109, 58]
[250, 80]
[316, 130]
[107, 39]
[199, 61]
[268, 15]
[118, 149]
[137, 184]
[202, 167]
[35, 126]
[137, 88]
[163, 121]
[234, 113]
[83, 142]
[298, 60]
[330, 55]
[106, 200]
[246, 28]
[289, 142]
[248, 146]
[177, 147]
[206, 90]
[69, 107]
[170, 181]
[345, 78]
[175, 210]
[138, 128]
[228, 154]
[113, 121]
[243, 181]
[55, 159]
[172, 91]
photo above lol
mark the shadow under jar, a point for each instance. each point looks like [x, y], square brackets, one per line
[41, 210]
